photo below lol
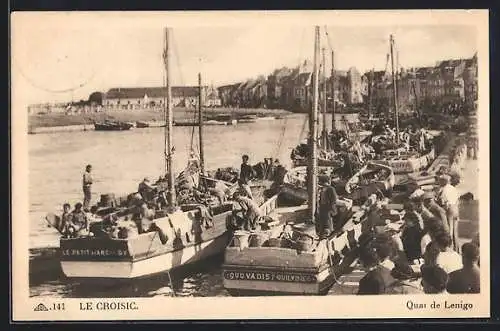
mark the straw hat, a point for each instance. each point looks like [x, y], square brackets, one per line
[428, 195]
[418, 193]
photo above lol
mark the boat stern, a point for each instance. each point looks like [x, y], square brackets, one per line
[272, 271]
[95, 258]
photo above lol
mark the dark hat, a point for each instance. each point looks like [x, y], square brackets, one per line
[435, 277]
[78, 205]
[323, 179]
[470, 251]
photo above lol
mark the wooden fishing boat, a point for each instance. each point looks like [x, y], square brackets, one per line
[247, 119]
[109, 125]
[185, 123]
[372, 178]
[289, 259]
[120, 245]
[285, 256]
[403, 163]
[170, 246]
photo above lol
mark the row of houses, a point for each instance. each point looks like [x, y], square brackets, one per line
[291, 89]
[449, 81]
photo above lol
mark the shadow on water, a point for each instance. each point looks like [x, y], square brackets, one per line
[199, 280]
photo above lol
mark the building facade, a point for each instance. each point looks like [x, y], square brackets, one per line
[154, 97]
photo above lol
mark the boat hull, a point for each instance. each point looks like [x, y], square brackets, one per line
[112, 127]
[130, 269]
[409, 165]
[242, 282]
[250, 270]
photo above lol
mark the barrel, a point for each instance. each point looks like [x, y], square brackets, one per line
[108, 200]
[304, 243]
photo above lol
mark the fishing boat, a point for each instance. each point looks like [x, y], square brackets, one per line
[224, 118]
[117, 245]
[248, 118]
[285, 256]
[185, 123]
[370, 179]
[398, 157]
[109, 125]
[141, 124]
[327, 158]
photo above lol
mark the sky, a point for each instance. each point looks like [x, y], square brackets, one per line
[61, 62]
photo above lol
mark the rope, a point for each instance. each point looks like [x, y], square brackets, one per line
[303, 129]
[177, 61]
[328, 40]
[280, 139]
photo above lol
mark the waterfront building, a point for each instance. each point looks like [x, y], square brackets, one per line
[276, 87]
[154, 97]
[354, 89]
[470, 81]
[450, 81]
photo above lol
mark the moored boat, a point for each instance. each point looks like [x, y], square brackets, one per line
[248, 118]
[109, 125]
[370, 179]
[141, 124]
[289, 258]
[403, 163]
[284, 255]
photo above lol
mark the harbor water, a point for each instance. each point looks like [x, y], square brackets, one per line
[120, 160]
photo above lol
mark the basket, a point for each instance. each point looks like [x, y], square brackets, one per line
[257, 239]
[108, 200]
[304, 244]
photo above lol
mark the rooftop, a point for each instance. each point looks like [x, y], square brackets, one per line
[151, 92]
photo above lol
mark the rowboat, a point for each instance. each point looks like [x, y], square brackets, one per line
[141, 124]
[108, 125]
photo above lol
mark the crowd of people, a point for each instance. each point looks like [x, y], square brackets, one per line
[427, 240]
[443, 270]
[190, 188]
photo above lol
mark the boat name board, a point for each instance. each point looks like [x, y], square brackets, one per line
[271, 276]
[95, 252]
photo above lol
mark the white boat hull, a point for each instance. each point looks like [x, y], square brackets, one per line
[145, 267]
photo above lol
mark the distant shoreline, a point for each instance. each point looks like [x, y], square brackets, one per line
[180, 114]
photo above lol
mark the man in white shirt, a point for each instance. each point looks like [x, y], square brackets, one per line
[448, 198]
[447, 259]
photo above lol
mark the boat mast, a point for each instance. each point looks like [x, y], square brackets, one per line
[200, 125]
[370, 93]
[313, 132]
[169, 125]
[396, 114]
[333, 91]
[325, 133]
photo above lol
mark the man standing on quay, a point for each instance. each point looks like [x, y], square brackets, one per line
[87, 184]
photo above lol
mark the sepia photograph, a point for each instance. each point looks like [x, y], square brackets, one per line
[268, 161]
